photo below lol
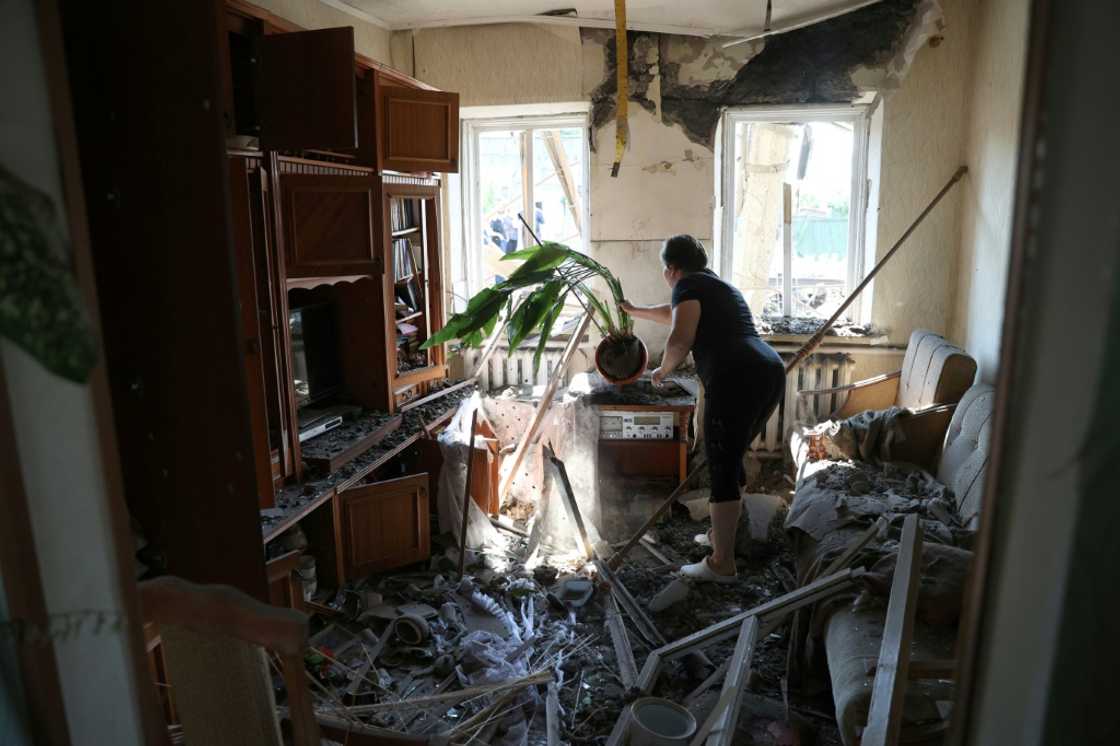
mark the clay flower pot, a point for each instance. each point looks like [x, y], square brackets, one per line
[621, 360]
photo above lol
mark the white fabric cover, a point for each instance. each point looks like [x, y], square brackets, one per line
[934, 371]
[964, 457]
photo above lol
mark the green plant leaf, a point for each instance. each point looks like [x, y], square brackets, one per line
[546, 330]
[530, 313]
[482, 310]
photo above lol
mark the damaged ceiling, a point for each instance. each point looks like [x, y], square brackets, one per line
[695, 78]
[700, 17]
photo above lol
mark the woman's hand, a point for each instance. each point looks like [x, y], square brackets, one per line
[628, 307]
[658, 377]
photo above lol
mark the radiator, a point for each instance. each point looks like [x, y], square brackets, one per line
[819, 371]
[506, 369]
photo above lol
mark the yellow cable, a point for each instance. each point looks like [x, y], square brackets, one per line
[622, 64]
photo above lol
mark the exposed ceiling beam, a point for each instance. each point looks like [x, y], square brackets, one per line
[356, 12]
[607, 23]
[744, 35]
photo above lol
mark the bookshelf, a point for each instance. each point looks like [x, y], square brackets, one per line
[413, 283]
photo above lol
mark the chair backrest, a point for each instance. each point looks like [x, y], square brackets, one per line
[964, 456]
[214, 641]
[934, 371]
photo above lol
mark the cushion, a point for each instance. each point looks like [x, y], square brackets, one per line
[964, 456]
[934, 371]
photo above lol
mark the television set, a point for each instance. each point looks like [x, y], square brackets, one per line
[316, 370]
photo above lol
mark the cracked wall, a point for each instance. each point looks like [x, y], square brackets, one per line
[678, 85]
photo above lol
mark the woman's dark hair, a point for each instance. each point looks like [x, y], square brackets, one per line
[685, 253]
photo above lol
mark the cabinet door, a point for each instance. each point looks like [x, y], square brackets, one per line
[331, 224]
[385, 525]
[419, 130]
[306, 96]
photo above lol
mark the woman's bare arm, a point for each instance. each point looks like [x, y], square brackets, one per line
[685, 319]
[662, 314]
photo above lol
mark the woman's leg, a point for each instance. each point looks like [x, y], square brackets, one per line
[725, 524]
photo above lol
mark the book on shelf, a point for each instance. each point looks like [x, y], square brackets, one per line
[401, 215]
[403, 259]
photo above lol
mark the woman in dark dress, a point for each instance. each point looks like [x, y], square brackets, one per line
[743, 377]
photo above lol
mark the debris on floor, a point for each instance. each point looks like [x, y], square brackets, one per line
[521, 647]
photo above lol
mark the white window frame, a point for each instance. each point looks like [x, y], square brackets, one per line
[471, 128]
[860, 117]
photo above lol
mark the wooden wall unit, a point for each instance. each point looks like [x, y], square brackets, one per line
[199, 239]
[331, 224]
[385, 524]
[151, 143]
[306, 90]
[418, 130]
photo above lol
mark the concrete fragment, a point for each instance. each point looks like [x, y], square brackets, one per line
[761, 524]
[697, 503]
[674, 593]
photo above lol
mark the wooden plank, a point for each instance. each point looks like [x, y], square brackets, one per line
[543, 407]
[780, 606]
[432, 397]
[466, 514]
[725, 719]
[884, 719]
[623, 651]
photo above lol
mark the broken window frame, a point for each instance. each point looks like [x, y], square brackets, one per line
[469, 277]
[861, 225]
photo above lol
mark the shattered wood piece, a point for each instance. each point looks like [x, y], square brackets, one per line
[768, 613]
[623, 652]
[540, 677]
[884, 718]
[552, 715]
[724, 717]
[856, 546]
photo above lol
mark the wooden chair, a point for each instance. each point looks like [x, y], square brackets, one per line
[214, 640]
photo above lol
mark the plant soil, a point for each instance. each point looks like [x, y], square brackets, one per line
[620, 358]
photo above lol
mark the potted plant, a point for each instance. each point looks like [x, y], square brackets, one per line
[551, 272]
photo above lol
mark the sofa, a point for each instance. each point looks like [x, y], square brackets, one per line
[937, 471]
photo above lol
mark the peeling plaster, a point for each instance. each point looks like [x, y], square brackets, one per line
[697, 77]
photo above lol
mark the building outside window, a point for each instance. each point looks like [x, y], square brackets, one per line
[535, 167]
[794, 181]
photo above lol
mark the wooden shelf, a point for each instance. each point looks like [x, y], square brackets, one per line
[406, 231]
[308, 283]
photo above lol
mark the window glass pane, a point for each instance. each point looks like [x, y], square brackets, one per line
[558, 185]
[761, 159]
[500, 197]
[822, 200]
[815, 160]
